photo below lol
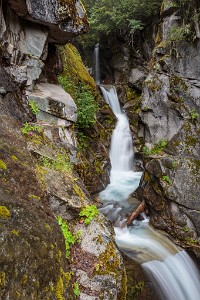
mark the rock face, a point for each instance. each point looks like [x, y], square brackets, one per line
[170, 111]
[53, 100]
[63, 18]
[38, 148]
[27, 27]
[33, 263]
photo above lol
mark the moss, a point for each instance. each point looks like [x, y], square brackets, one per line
[78, 191]
[4, 212]
[123, 293]
[15, 232]
[137, 289]
[68, 9]
[2, 279]
[40, 174]
[34, 197]
[59, 289]
[13, 157]
[18, 295]
[48, 227]
[24, 279]
[191, 140]
[2, 165]
[108, 261]
[75, 70]
[154, 84]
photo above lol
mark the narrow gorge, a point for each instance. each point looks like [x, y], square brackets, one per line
[99, 150]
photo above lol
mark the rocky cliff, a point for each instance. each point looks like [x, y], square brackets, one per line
[157, 77]
[54, 243]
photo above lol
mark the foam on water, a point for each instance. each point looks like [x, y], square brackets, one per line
[170, 270]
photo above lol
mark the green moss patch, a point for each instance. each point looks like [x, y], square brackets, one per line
[4, 212]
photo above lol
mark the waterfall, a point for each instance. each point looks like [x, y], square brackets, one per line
[170, 269]
[122, 176]
[97, 64]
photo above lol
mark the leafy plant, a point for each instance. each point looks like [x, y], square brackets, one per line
[33, 107]
[76, 289]
[178, 34]
[70, 239]
[167, 179]
[82, 140]
[87, 107]
[158, 148]
[119, 15]
[27, 128]
[59, 163]
[88, 213]
[193, 114]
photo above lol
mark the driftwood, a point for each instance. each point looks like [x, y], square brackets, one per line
[136, 213]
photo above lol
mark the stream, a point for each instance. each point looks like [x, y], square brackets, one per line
[170, 269]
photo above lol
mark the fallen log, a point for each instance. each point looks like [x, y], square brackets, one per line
[136, 212]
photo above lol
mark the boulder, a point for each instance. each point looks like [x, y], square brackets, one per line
[53, 100]
[64, 19]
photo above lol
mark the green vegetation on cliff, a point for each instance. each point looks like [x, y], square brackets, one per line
[76, 80]
[124, 16]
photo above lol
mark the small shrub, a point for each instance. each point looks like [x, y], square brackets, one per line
[158, 148]
[87, 107]
[27, 128]
[83, 140]
[70, 239]
[193, 114]
[88, 213]
[59, 163]
[178, 34]
[33, 107]
[167, 179]
[76, 289]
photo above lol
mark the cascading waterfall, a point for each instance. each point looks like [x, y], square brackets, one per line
[97, 64]
[170, 270]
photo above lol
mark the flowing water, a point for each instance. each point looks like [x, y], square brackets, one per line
[170, 269]
[97, 65]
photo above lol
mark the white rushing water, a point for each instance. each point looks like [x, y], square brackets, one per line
[171, 271]
[97, 64]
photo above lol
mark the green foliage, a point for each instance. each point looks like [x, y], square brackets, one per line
[119, 15]
[76, 289]
[89, 213]
[68, 85]
[70, 239]
[193, 114]
[158, 148]
[27, 128]
[59, 163]
[167, 179]
[87, 107]
[178, 34]
[76, 81]
[33, 107]
[82, 140]
[84, 98]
